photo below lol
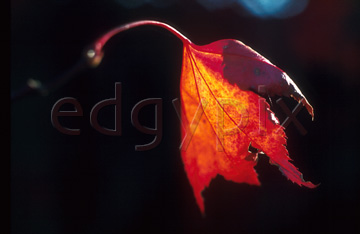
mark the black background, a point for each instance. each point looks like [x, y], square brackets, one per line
[94, 183]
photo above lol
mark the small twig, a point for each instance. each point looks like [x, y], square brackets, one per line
[92, 58]
[35, 87]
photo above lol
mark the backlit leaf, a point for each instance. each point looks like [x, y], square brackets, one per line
[232, 117]
[223, 112]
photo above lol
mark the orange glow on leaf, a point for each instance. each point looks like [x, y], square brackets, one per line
[231, 117]
[222, 111]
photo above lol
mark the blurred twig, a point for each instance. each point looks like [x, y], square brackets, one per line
[35, 87]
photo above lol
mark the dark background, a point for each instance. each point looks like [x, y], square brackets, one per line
[94, 183]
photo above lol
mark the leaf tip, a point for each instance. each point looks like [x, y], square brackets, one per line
[308, 107]
[309, 184]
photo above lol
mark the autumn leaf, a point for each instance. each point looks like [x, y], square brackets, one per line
[223, 112]
[222, 78]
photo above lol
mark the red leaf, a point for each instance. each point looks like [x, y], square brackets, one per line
[223, 113]
[218, 77]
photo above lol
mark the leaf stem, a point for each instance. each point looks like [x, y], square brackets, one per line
[95, 53]
[93, 56]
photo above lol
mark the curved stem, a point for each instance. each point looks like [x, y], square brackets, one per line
[93, 57]
[95, 53]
